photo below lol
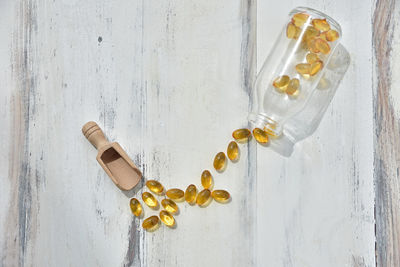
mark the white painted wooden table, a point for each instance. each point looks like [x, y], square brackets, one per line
[170, 81]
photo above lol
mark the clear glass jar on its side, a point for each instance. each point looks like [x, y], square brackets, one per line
[293, 68]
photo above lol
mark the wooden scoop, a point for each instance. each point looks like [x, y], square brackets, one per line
[112, 158]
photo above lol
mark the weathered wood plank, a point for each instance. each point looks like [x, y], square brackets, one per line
[316, 207]
[386, 132]
[155, 76]
[22, 205]
[198, 58]
[170, 81]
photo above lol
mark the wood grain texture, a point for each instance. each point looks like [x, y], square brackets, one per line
[155, 76]
[386, 132]
[316, 207]
[170, 81]
[23, 205]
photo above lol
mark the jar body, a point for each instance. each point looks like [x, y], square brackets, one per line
[304, 123]
[293, 68]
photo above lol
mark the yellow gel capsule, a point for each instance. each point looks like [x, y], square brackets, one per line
[151, 223]
[241, 135]
[291, 31]
[169, 205]
[136, 207]
[203, 198]
[316, 67]
[293, 87]
[220, 161]
[155, 186]
[321, 24]
[270, 132]
[260, 135]
[303, 68]
[331, 35]
[191, 194]
[297, 34]
[322, 35]
[311, 58]
[206, 179]
[310, 33]
[150, 200]
[322, 46]
[299, 19]
[312, 45]
[167, 218]
[175, 194]
[281, 83]
[233, 151]
[221, 196]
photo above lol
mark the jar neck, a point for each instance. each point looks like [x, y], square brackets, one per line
[265, 123]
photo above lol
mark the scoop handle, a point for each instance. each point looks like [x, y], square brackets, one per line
[94, 134]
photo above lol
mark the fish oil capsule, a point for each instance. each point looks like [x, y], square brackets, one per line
[281, 83]
[299, 19]
[175, 194]
[169, 205]
[136, 207]
[241, 135]
[191, 194]
[260, 135]
[233, 151]
[312, 45]
[292, 31]
[150, 200]
[310, 33]
[155, 186]
[270, 132]
[151, 223]
[303, 68]
[167, 218]
[220, 161]
[269, 129]
[203, 198]
[321, 24]
[221, 196]
[322, 46]
[316, 67]
[322, 35]
[311, 58]
[331, 35]
[297, 34]
[207, 179]
[293, 87]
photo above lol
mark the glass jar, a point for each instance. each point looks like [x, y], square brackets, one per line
[293, 69]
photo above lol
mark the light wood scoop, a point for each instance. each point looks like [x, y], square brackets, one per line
[112, 158]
